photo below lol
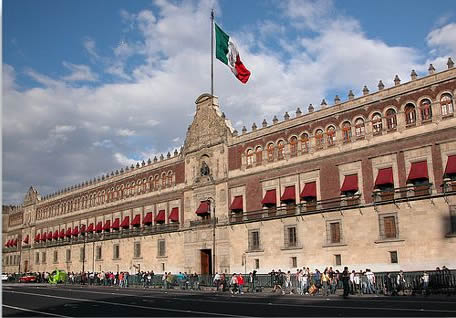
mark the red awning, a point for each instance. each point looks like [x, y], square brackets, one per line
[99, 227]
[418, 170]
[15, 242]
[43, 237]
[309, 191]
[7, 244]
[62, 234]
[160, 218]
[125, 223]
[26, 240]
[75, 231]
[55, 236]
[68, 232]
[147, 219]
[384, 176]
[83, 229]
[116, 224]
[174, 215]
[49, 236]
[107, 225]
[451, 165]
[237, 204]
[37, 237]
[269, 198]
[204, 208]
[90, 228]
[289, 194]
[350, 183]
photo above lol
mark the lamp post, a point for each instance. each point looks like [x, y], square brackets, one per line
[83, 249]
[211, 200]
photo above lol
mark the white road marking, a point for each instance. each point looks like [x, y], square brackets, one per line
[127, 305]
[35, 311]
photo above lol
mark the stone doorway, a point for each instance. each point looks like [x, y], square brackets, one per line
[206, 262]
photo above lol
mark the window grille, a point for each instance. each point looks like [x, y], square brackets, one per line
[161, 248]
[254, 240]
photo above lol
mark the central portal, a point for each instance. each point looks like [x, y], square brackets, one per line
[206, 262]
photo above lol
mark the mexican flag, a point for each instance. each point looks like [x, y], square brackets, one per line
[226, 51]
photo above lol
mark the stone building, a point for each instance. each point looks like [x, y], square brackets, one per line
[369, 182]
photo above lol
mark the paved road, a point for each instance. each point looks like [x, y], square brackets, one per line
[77, 301]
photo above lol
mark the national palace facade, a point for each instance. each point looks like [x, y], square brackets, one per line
[369, 182]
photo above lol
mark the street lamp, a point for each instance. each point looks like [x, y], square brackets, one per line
[83, 248]
[211, 200]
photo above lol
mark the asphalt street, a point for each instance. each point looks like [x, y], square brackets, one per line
[21, 300]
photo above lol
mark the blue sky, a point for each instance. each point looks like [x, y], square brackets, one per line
[91, 86]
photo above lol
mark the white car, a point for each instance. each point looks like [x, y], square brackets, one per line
[4, 277]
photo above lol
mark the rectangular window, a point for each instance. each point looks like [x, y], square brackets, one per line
[254, 240]
[294, 261]
[163, 267]
[453, 219]
[393, 257]
[388, 227]
[68, 255]
[290, 237]
[43, 257]
[56, 257]
[115, 251]
[99, 254]
[37, 257]
[137, 249]
[337, 259]
[161, 248]
[334, 232]
[257, 263]
[82, 254]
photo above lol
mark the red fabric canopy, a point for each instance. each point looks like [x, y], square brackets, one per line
[55, 236]
[451, 165]
[269, 198]
[62, 234]
[204, 208]
[147, 219]
[37, 237]
[68, 232]
[116, 224]
[289, 194]
[26, 240]
[15, 242]
[174, 215]
[75, 231]
[384, 176]
[350, 183]
[83, 228]
[137, 219]
[99, 227]
[107, 225]
[418, 170]
[237, 204]
[49, 236]
[7, 244]
[125, 223]
[309, 191]
[43, 237]
[160, 218]
[90, 228]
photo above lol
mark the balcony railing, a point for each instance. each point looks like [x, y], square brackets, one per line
[203, 222]
[403, 193]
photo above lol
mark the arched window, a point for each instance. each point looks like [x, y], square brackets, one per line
[293, 146]
[319, 141]
[377, 124]
[331, 135]
[156, 182]
[447, 105]
[259, 155]
[359, 128]
[271, 152]
[391, 120]
[410, 115]
[426, 110]
[280, 148]
[305, 144]
[170, 179]
[346, 131]
[249, 158]
[163, 181]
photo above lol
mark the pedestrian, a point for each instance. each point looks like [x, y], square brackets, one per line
[223, 282]
[216, 281]
[370, 282]
[425, 283]
[325, 282]
[240, 279]
[234, 284]
[288, 286]
[400, 283]
[345, 281]
[164, 281]
[251, 283]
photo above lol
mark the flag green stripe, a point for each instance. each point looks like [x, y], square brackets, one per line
[221, 44]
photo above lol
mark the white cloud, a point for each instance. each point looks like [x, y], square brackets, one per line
[125, 132]
[79, 73]
[124, 160]
[90, 46]
[443, 39]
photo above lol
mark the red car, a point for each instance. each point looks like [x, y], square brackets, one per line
[28, 278]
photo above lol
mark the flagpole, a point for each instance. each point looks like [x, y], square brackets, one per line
[212, 52]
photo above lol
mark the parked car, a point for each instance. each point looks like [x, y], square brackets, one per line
[4, 277]
[28, 278]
